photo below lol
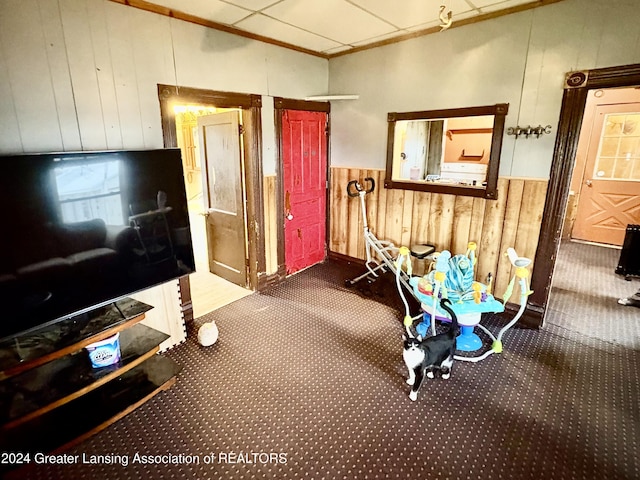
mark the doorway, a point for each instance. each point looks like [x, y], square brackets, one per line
[302, 128]
[304, 161]
[605, 185]
[224, 194]
[203, 291]
[577, 86]
[604, 197]
[211, 285]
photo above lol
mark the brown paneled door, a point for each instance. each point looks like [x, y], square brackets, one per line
[610, 189]
[223, 193]
[304, 158]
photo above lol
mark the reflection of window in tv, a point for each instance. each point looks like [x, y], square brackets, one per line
[90, 190]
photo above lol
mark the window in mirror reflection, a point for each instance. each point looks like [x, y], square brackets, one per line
[447, 151]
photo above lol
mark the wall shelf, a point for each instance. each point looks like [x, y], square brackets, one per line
[457, 131]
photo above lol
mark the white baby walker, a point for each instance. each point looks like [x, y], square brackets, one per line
[469, 298]
[381, 254]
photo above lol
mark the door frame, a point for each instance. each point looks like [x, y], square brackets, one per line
[281, 104]
[251, 108]
[577, 85]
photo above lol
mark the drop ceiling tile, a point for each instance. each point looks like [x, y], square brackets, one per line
[333, 25]
[493, 5]
[268, 27]
[213, 10]
[460, 6]
[411, 12]
[333, 51]
[335, 19]
[366, 41]
[255, 5]
[424, 26]
[456, 18]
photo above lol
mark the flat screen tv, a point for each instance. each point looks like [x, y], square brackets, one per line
[83, 229]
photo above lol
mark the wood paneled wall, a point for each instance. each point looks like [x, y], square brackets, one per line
[447, 221]
[270, 224]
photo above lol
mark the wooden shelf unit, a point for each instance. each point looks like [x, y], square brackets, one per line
[50, 395]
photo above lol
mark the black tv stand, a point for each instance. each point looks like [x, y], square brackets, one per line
[51, 398]
[115, 305]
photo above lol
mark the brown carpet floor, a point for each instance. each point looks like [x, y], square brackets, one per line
[307, 381]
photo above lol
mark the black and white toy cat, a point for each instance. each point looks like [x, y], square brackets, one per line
[423, 356]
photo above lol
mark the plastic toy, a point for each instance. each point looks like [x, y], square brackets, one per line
[453, 278]
[381, 255]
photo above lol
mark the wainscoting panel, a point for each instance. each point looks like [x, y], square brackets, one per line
[270, 224]
[447, 221]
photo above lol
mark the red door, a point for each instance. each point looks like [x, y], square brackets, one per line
[304, 141]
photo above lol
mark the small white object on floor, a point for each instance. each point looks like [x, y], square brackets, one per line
[208, 334]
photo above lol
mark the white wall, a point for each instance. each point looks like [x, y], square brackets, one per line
[83, 74]
[520, 59]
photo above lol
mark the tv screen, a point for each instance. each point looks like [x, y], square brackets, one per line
[82, 229]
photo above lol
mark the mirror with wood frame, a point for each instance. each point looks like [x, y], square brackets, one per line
[454, 151]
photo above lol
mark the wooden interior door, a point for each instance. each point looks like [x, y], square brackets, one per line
[305, 187]
[223, 193]
[610, 190]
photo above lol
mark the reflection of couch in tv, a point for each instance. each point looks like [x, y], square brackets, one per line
[82, 255]
[61, 268]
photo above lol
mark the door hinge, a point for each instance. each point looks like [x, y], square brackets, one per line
[241, 129]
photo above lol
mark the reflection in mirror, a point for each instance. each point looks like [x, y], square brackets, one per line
[450, 151]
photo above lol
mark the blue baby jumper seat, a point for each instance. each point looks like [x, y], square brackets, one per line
[453, 278]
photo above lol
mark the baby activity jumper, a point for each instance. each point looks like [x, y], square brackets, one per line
[449, 276]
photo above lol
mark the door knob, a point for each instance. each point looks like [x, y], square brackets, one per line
[589, 183]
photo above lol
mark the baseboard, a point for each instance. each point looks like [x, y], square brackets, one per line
[345, 259]
[596, 244]
[187, 312]
[531, 317]
[268, 280]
